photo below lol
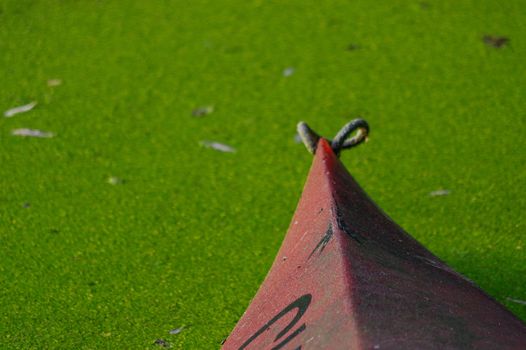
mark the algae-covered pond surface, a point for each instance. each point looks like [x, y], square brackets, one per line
[119, 218]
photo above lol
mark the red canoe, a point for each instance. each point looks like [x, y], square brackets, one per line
[348, 277]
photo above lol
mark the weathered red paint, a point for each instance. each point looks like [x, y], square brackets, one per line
[368, 285]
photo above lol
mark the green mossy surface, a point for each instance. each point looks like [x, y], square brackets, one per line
[189, 234]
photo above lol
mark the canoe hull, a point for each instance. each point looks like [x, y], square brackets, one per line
[348, 277]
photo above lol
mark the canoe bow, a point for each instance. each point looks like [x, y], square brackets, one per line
[348, 277]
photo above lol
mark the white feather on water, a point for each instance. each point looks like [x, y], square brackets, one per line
[32, 133]
[221, 147]
[20, 109]
[439, 193]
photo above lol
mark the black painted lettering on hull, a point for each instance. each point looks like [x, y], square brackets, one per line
[300, 305]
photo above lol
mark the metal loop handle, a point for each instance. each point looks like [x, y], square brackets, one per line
[341, 141]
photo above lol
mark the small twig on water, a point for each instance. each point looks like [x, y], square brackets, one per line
[495, 41]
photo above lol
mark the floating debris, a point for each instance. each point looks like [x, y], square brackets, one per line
[287, 72]
[221, 147]
[114, 180]
[26, 205]
[54, 82]
[439, 193]
[20, 109]
[353, 47]
[32, 133]
[518, 301]
[202, 111]
[495, 41]
[177, 330]
[162, 342]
